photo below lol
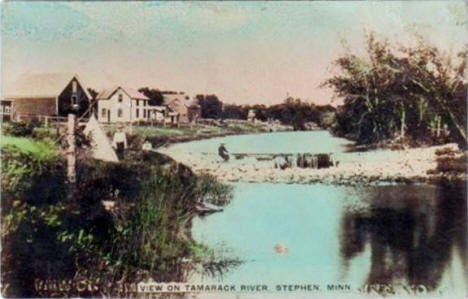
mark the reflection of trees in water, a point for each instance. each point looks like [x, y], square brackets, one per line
[409, 241]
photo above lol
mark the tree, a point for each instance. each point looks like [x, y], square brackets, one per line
[399, 93]
[211, 106]
[234, 112]
[93, 93]
[155, 96]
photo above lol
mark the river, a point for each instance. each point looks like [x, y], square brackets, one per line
[318, 234]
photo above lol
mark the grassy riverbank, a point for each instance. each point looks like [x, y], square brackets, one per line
[160, 136]
[51, 233]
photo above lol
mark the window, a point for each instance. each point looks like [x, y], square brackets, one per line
[120, 98]
[138, 112]
[119, 112]
[138, 103]
[144, 103]
[74, 86]
[103, 113]
[74, 99]
[7, 109]
[144, 113]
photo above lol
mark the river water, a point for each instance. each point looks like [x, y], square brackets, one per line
[318, 234]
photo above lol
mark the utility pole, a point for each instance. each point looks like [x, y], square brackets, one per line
[71, 150]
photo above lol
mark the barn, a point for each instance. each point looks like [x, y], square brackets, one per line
[47, 95]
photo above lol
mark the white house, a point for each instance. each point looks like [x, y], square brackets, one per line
[251, 115]
[120, 104]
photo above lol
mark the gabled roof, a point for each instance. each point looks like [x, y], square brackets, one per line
[132, 93]
[46, 85]
[172, 99]
[135, 94]
[106, 93]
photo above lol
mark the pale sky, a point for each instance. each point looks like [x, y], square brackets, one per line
[245, 52]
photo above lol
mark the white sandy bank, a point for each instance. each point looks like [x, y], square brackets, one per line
[364, 167]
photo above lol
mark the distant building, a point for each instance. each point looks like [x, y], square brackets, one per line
[120, 104]
[46, 95]
[182, 108]
[193, 111]
[6, 110]
[251, 115]
[178, 111]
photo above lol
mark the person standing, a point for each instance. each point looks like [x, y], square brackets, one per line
[119, 142]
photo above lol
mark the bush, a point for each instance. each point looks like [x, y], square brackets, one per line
[44, 133]
[33, 189]
[20, 128]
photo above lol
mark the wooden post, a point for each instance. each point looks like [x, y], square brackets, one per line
[71, 151]
[332, 157]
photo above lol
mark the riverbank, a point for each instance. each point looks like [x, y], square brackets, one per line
[415, 165]
[120, 223]
[164, 136]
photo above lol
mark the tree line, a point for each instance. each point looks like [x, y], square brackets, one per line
[294, 112]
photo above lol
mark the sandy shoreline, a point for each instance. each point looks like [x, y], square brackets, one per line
[372, 167]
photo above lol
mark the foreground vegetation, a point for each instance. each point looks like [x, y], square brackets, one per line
[50, 232]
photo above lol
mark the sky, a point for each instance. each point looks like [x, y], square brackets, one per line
[244, 52]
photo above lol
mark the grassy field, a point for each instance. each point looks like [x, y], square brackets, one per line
[162, 135]
[193, 131]
[42, 149]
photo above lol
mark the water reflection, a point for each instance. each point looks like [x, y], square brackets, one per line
[412, 233]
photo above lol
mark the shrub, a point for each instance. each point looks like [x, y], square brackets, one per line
[33, 190]
[21, 128]
[44, 133]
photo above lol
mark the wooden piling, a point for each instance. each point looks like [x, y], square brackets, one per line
[71, 151]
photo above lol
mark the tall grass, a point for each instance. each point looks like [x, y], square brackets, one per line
[41, 149]
[47, 234]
